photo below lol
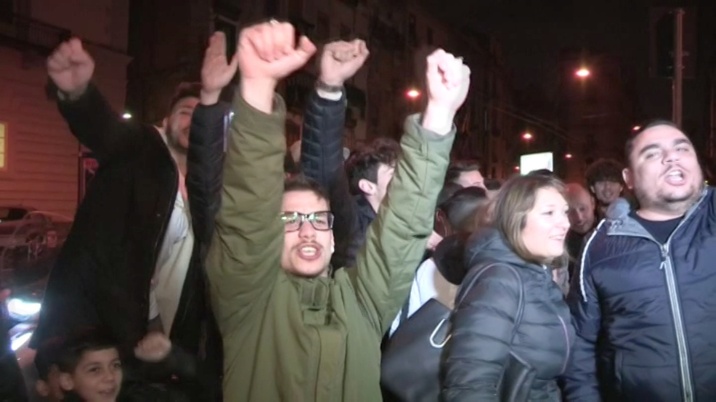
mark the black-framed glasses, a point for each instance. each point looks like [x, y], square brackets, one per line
[320, 220]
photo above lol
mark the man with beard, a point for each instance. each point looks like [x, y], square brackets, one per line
[644, 310]
[128, 266]
[581, 219]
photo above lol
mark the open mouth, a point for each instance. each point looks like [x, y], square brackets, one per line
[675, 177]
[309, 252]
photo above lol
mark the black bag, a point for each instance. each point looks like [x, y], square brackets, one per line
[410, 366]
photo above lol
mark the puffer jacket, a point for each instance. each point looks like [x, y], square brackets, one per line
[484, 321]
[645, 312]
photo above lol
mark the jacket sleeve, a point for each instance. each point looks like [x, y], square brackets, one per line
[482, 327]
[204, 168]
[244, 256]
[580, 378]
[322, 161]
[97, 127]
[396, 239]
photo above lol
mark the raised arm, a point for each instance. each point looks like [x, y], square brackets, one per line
[89, 115]
[205, 158]
[322, 139]
[396, 240]
[244, 257]
[580, 378]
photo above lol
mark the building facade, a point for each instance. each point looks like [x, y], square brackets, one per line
[40, 161]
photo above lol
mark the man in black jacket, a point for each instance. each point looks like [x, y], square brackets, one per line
[129, 264]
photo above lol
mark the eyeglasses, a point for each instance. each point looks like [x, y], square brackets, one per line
[320, 220]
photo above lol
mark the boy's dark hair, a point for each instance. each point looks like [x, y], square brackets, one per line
[459, 167]
[493, 184]
[387, 146]
[447, 191]
[48, 355]
[629, 146]
[460, 209]
[303, 183]
[184, 90]
[603, 170]
[75, 346]
[365, 165]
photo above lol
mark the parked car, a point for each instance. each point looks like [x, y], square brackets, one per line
[26, 234]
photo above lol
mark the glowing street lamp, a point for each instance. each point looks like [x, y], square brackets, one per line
[413, 93]
[636, 128]
[583, 73]
[126, 116]
[517, 168]
[527, 136]
[568, 156]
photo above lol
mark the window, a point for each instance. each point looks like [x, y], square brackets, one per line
[3, 146]
[322, 27]
[429, 36]
[7, 9]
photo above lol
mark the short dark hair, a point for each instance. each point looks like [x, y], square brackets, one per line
[365, 165]
[462, 206]
[604, 170]
[459, 167]
[81, 342]
[48, 355]
[184, 90]
[303, 183]
[629, 145]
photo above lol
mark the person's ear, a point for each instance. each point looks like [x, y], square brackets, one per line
[66, 382]
[628, 177]
[366, 186]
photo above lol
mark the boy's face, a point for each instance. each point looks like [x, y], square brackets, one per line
[51, 388]
[97, 377]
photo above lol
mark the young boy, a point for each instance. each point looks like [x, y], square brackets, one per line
[90, 368]
[48, 373]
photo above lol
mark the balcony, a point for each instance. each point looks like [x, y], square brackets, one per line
[23, 33]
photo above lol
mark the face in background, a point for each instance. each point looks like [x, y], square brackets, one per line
[607, 191]
[664, 172]
[307, 251]
[472, 178]
[97, 377]
[178, 124]
[546, 225]
[581, 209]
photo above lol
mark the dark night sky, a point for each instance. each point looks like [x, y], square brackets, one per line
[532, 32]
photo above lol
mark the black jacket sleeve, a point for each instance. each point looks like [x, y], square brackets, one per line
[97, 127]
[12, 386]
[482, 327]
[204, 168]
[322, 161]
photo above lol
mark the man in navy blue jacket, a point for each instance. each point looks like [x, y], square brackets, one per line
[644, 305]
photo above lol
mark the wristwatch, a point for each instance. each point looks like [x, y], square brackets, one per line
[322, 86]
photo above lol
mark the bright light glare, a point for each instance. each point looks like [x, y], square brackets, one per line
[413, 93]
[568, 156]
[20, 340]
[127, 116]
[583, 73]
[19, 308]
[527, 136]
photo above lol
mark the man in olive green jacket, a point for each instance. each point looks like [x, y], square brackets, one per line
[291, 330]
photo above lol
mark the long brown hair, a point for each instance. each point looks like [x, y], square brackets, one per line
[515, 200]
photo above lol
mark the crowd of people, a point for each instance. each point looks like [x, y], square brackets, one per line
[202, 266]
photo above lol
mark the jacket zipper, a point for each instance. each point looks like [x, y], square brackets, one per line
[566, 338]
[675, 304]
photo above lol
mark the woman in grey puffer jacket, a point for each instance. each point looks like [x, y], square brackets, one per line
[512, 331]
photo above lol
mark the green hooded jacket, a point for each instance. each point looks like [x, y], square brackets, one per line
[296, 339]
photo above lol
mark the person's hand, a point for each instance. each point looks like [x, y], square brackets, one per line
[340, 61]
[268, 53]
[71, 68]
[448, 81]
[153, 348]
[216, 71]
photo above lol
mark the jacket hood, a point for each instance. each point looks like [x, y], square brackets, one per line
[618, 209]
[488, 245]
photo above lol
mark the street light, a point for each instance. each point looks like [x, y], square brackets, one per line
[568, 156]
[127, 116]
[412, 93]
[583, 73]
[527, 136]
[636, 128]
[517, 168]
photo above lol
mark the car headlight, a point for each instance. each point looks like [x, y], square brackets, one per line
[22, 310]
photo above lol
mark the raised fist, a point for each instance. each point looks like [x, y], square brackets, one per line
[268, 52]
[70, 67]
[153, 348]
[340, 61]
[216, 71]
[448, 80]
